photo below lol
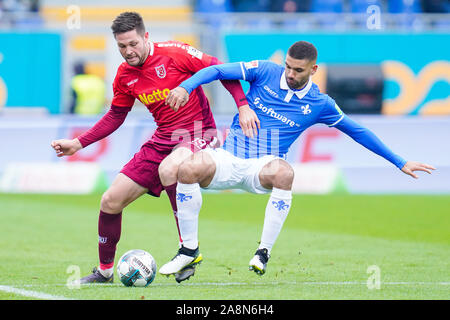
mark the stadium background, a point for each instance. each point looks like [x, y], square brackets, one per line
[385, 62]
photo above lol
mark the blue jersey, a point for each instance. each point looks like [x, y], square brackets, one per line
[283, 113]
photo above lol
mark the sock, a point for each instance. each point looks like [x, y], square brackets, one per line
[277, 210]
[107, 272]
[189, 203]
[109, 229]
[172, 194]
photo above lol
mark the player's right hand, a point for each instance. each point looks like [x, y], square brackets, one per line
[66, 147]
[177, 98]
[248, 120]
[411, 166]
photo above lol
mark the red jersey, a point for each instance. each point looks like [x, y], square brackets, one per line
[168, 64]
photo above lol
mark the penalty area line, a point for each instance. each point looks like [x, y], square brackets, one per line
[31, 294]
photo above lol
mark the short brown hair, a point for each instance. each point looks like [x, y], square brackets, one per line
[128, 21]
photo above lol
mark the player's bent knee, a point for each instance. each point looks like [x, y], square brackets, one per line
[189, 172]
[277, 174]
[168, 171]
[110, 204]
[284, 177]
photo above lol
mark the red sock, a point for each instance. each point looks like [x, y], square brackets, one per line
[109, 228]
[172, 194]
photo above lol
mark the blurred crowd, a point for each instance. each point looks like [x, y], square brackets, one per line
[19, 5]
[20, 12]
[329, 6]
[325, 6]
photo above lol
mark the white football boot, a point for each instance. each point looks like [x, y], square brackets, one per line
[182, 266]
[258, 263]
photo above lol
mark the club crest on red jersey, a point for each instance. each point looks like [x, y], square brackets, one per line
[160, 71]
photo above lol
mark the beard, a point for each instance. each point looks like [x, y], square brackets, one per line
[296, 85]
[134, 60]
[137, 59]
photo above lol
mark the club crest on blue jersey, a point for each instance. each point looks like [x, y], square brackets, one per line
[182, 197]
[306, 109]
[280, 205]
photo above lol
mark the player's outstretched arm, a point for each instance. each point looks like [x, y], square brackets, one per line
[369, 140]
[411, 166]
[66, 147]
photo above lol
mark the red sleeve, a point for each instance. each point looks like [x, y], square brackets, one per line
[109, 123]
[121, 97]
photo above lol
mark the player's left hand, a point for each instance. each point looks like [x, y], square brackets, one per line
[177, 98]
[412, 166]
[248, 120]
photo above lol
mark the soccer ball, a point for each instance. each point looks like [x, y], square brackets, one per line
[136, 268]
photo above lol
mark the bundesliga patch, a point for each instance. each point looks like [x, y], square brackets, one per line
[251, 64]
[195, 53]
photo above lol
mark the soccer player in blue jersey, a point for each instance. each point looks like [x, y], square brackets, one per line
[286, 102]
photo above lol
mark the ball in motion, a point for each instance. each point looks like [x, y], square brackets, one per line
[136, 268]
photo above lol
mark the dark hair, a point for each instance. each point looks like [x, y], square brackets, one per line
[127, 21]
[303, 50]
[79, 68]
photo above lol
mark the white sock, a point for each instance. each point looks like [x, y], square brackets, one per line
[277, 210]
[189, 203]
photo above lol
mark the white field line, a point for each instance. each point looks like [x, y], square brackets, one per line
[205, 284]
[46, 296]
[32, 294]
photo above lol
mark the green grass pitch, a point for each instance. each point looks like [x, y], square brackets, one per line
[331, 247]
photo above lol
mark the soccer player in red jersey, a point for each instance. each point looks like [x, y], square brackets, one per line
[149, 72]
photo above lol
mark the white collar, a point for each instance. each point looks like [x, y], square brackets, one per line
[299, 93]
[152, 48]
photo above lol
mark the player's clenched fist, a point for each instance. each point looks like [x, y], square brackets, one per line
[177, 98]
[66, 147]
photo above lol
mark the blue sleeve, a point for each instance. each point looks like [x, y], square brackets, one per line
[331, 114]
[368, 139]
[226, 71]
[257, 71]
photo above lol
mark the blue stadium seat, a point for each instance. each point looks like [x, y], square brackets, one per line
[254, 23]
[436, 6]
[251, 5]
[408, 9]
[360, 6]
[212, 6]
[404, 6]
[332, 6]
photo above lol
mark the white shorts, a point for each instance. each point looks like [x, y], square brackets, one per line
[236, 173]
